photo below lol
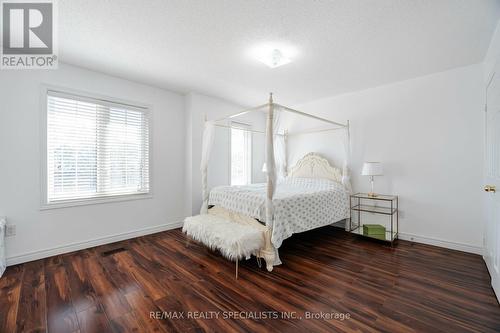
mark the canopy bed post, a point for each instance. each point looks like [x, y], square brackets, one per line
[285, 166]
[346, 177]
[271, 172]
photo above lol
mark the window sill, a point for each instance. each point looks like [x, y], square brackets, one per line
[94, 201]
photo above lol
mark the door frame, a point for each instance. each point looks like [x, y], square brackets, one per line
[494, 279]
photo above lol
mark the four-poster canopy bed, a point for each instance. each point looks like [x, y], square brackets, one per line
[309, 195]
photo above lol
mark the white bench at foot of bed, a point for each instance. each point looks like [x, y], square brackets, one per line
[234, 240]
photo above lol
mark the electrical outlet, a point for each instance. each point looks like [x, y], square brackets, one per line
[10, 230]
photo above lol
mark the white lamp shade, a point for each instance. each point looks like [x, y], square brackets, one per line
[264, 167]
[372, 169]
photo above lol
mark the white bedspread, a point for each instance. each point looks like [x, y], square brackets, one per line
[300, 204]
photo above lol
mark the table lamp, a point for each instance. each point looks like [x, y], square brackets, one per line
[372, 169]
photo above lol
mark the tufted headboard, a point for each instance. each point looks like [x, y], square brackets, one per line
[314, 165]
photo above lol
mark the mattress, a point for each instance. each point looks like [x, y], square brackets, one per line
[300, 204]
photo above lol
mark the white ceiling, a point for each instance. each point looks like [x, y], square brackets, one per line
[204, 45]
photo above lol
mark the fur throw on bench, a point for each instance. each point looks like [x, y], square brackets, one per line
[235, 241]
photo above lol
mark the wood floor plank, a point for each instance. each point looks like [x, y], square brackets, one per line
[83, 294]
[10, 292]
[33, 299]
[173, 305]
[128, 323]
[108, 294]
[119, 274]
[61, 316]
[143, 306]
[115, 288]
[93, 320]
[138, 268]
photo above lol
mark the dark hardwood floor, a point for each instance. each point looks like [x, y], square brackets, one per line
[114, 288]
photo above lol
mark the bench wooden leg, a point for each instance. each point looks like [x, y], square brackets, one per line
[237, 269]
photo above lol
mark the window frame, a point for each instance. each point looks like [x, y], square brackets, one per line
[243, 126]
[44, 203]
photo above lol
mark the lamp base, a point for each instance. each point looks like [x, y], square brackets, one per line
[371, 194]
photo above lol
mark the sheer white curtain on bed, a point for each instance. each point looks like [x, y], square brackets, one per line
[208, 142]
[279, 145]
[346, 173]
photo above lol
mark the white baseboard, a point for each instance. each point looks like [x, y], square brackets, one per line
[441, 243]
[35, 255]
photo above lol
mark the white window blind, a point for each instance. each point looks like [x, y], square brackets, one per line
[95, 148]
[241, 154]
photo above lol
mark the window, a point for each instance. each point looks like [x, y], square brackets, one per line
[95, 149]
[241, 154]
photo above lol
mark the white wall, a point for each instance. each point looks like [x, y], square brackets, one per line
[20, 166]
[197, 106]
[428, 132]
[493, 53]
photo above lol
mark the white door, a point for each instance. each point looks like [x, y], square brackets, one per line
[492, 180]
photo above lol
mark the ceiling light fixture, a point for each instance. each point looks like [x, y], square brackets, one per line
[273, 55]
[275, 59]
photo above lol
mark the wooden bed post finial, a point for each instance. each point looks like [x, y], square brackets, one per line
[271, 98]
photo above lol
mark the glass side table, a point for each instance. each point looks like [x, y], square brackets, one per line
[380, 204]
